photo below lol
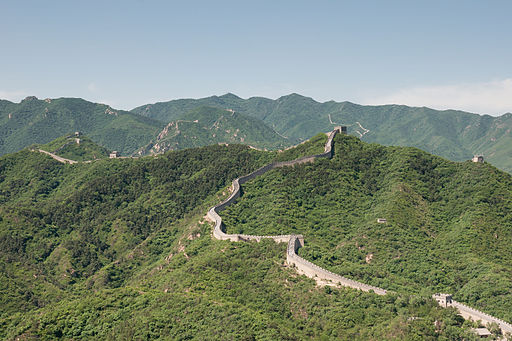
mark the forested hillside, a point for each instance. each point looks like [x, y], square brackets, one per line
[207, 125]
[77, 147]
[455, 135]
[41, 121]
[260, 122]
[119, 249]
[449, 225]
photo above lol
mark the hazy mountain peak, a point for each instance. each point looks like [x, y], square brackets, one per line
[229, 95]
[295, 96]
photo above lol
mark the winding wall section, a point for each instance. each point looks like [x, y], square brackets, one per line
[58, 158]
[296, 241]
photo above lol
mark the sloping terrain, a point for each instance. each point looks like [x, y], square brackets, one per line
[260, 122]
[119, 249]
[448, 224]
[35, 121]
[455, 135]
[207, 125]
[76, 147]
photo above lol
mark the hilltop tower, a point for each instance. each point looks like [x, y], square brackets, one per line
[341, 129]
[444, 300]
[114, 154]
[478, 158]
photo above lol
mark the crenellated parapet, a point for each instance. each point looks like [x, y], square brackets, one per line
[213, 213]
[314, 271]
[445, 300]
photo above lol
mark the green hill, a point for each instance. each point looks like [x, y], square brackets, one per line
[264, 123]
[119, 249]
[456, 135]
[36, 121]
[76, 147]
[448, 224]
[207, 125]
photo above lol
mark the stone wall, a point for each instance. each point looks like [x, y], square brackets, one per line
[475, 315]
[296, 241]
[58, 158]
[314, 271]
[218, 231]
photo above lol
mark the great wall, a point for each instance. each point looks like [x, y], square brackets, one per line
[56, 157]
[321, 275]
[294, 241]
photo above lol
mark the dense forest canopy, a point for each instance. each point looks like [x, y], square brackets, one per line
[453, 134]
[448, 224]
[120, 248]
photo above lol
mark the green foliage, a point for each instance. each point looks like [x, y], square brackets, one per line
[455, 135]
[214, 290]
[118, 248]
[260, 122]
[60, 224]
[313, 146]
[78, 148]
[37, 121]
[206, 125]
[448, 226]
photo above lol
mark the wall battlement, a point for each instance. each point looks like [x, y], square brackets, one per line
[467, 312]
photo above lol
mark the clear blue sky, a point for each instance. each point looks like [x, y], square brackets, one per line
[127, 53]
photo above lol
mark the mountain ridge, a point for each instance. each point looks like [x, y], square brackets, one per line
[209, 125]
[41, 121]
[453, 134]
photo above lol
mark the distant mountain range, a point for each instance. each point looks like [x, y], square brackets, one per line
[41, 121]
[208, 125]
[456, 135]
[258, 121]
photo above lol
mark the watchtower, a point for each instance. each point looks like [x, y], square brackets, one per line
[478, 158]
[341, 129]
[114, 154]
[444, 300]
